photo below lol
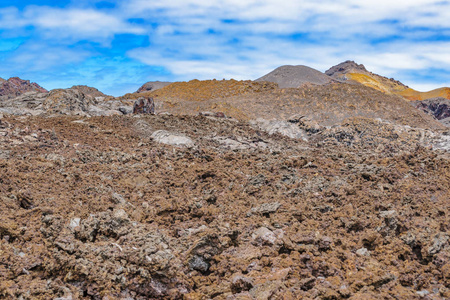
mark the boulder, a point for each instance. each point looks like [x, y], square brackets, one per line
[144, 106]
[174, 139]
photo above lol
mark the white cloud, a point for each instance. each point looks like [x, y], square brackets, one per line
[63, 23]
[40, 56]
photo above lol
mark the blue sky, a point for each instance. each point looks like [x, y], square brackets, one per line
[117, 45]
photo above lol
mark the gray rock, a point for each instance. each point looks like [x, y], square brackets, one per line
[174, 139]
[198, 263]
[264, 236]
[238, 143]
[281, 127]
[423, 293]
[363, 252]
[439, 242]
[118, 198]
[126, 110]
[75, 222]
[266, 208]
[5, 154]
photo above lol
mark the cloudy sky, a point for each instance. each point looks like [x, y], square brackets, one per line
[117, 45]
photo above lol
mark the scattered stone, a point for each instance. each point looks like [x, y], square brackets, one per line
[439, 242]
[307, 283]
[199, 264]
[423, 293]
[267, 290]
[363, 252]
[266, 208]
[75, 222]
[325, 243]
[264, 236]
[241, 284]
[118, 198]
[25, 200]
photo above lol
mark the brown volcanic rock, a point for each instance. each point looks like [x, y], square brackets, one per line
[116, 214]
[15, 86]
[296, 76]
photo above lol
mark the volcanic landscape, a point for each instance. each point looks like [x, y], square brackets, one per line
[297, 185]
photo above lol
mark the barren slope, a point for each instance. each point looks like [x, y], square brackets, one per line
[328, 104]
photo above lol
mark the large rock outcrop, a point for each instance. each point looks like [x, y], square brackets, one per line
[78, 100]
[437, 107]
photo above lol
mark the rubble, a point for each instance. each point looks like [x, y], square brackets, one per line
[100, 207]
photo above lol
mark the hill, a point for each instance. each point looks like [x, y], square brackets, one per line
[152, 86]
[328, 104]
[295, 76]
[15, 86]
[353, 72]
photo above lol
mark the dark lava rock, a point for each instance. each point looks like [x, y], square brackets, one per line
[438, 107]
[199, 264]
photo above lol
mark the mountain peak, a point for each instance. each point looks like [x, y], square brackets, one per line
[294, 76]
[15, 86]
[348, 66]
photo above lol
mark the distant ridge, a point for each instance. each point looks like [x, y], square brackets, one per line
[295, 76]
[357, 73]
[15, 86]
[152, 86]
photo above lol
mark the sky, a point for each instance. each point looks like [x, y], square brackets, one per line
[117, 45]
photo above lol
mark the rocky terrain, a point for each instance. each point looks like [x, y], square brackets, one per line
[195, 207]
[437, 107]
[15, 86]
[232, 190]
